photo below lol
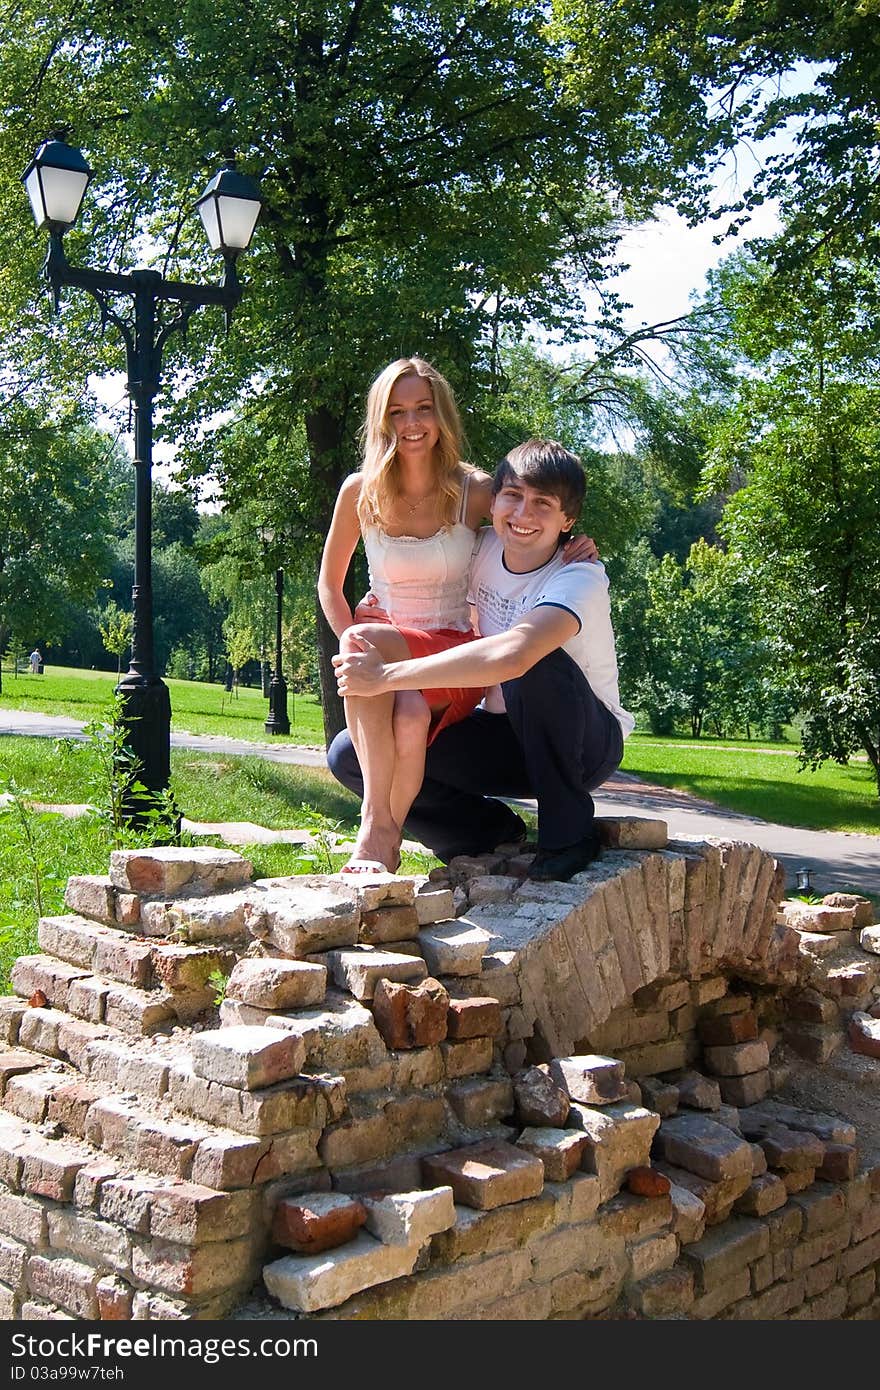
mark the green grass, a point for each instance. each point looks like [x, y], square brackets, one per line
[205, 789]
[757, 778]
[769, 784]
[196, 707]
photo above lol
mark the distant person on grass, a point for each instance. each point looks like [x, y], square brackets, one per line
[551, 725]
[36, 661]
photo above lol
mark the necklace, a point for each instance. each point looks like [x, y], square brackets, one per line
[414, 506]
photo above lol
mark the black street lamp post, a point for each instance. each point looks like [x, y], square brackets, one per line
[277, 721]
[56, 181]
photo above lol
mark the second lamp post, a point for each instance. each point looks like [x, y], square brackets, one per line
[278, 721]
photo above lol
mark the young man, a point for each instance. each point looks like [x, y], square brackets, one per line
[551, 725]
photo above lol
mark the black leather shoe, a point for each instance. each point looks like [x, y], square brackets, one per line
[516, 834]
[562, 864]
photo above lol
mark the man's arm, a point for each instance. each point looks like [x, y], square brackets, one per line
[487, 661]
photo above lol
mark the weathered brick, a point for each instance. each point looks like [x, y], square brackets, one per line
[560, 1150]
[115, 1299]
[728, 1029]
[276, 983]
[703, 1147]
[360, 969]
[122, 1129]
[11, 1013]
[840, 1164]
[476, 1017]
[91, 1179]
[744, 1090]
[23, 1218]
[653, 1254]
[68, 1283]
[539, 1101]
[27, 1095]
[399, 1218]
[49, 1170]
[619, 1138]
[467, 1057]
[308, 1283]
[193, 1271]
[486, 1175]
[765, 1193]
[454, 948]
[860, 1289]
[647, 1182]
[166, 871]
[305, 1102]
[860, 1256]
[590, 1078]
[664, 1294]
[722, 1295]
[46, 977]
[774, 1303]
[92, 1241]
[248, 1059]
[725, 1250]
[481, 1101]
[317, 1221]
[822, 1207]
[191, 1214]
[409, 1016]
[231, 1161]
[811, 1249]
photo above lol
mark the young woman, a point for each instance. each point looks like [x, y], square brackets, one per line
[417, 507]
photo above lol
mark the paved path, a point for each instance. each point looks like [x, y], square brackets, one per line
[837, 860]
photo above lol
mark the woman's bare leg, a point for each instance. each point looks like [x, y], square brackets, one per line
[411, 720]
[369, 720]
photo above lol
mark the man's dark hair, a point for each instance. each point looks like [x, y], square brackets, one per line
[548, 466]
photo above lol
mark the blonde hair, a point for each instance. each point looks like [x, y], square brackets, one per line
[380, 486]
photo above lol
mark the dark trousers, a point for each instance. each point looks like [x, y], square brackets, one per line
[557, 743]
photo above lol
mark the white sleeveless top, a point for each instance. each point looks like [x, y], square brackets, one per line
[422, 581]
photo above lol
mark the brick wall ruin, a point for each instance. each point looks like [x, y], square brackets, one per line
[462, 1096]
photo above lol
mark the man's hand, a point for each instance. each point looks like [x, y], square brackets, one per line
[579, 548]
[362, 672]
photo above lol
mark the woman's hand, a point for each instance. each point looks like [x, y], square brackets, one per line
[368, 611]
[578, 549]
[361, 672]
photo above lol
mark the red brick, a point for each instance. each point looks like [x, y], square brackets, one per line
[729, 1028]
[69, 1104]
[317, 1221]
[114, 1299]
[647, 1182]
[473, 1018]
[840, 1164]
[410, 1015]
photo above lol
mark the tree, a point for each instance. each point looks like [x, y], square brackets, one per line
[721, 67]
[432, 180]
[116, 626]
[57, 476]
[799, 451]
[240, 647]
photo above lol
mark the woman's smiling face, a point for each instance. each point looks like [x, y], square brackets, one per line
[413, 418]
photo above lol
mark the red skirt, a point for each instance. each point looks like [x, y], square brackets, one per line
[450, 704]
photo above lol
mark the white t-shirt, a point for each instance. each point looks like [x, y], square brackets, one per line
[503, 598]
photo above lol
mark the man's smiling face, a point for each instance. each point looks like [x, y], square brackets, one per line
[529, 523]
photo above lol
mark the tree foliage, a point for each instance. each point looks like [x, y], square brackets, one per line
[800, 450]
[56, 476]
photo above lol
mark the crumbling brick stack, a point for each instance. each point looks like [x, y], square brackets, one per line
[466, 1095]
